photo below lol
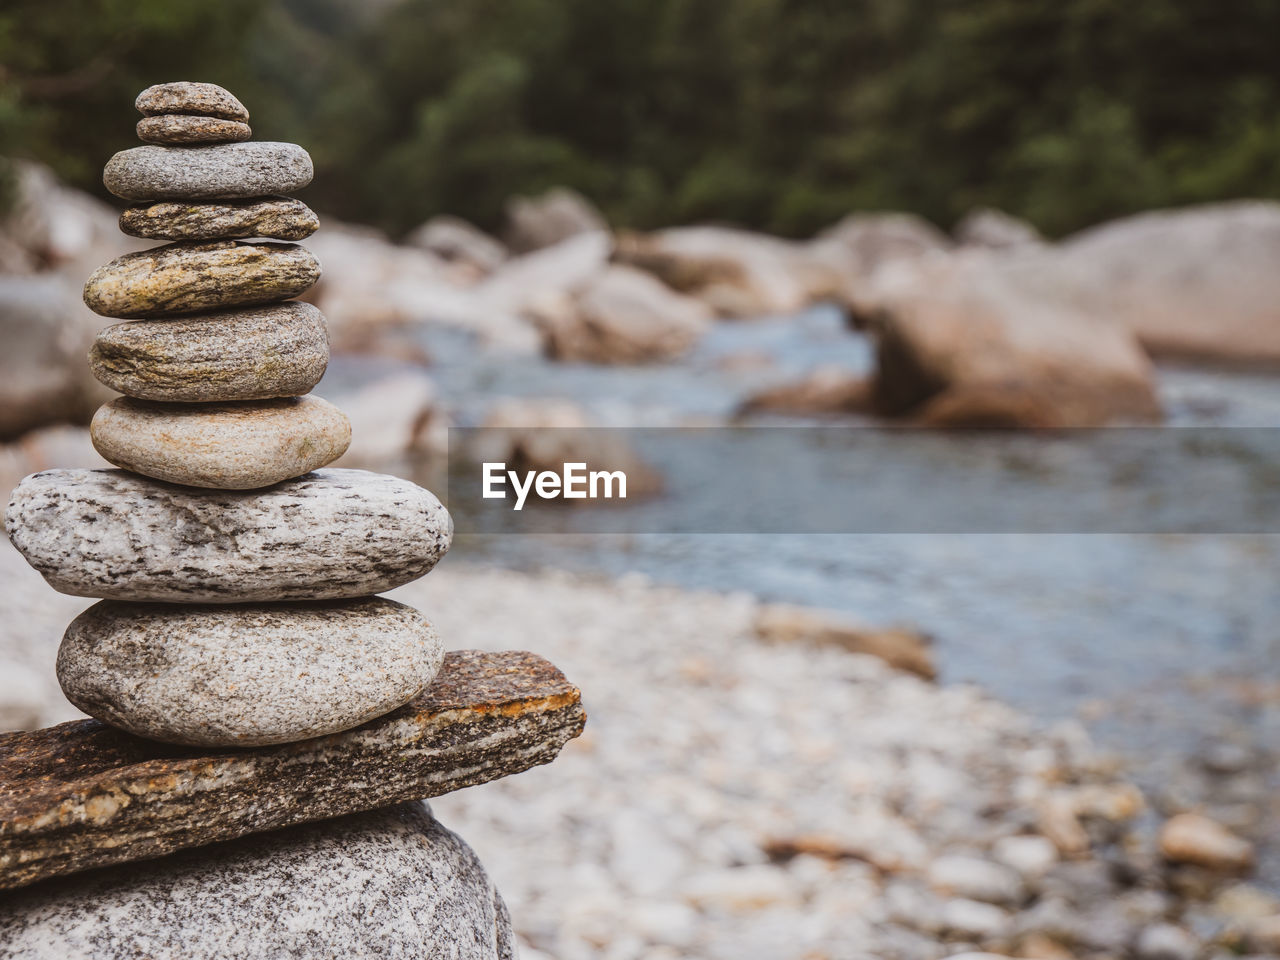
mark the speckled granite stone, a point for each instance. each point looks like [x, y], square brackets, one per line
[190, 277]
[226, 446]
[391, 883]
[176, 128]
[218, 171]
[185, 96]
[279, 218]
[245, 675]
[252, 354]
[332, 534]
[83, 795]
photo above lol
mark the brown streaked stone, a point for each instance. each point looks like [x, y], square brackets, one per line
[193, 277]
[83, 795]
[178, 129]
[278, 218]
[256, 353]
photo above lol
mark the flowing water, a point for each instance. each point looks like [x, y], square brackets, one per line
[1161, 644]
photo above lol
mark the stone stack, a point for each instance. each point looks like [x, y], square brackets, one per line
[237, 580]
[224, 510]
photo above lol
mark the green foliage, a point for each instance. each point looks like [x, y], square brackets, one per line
[778, 114]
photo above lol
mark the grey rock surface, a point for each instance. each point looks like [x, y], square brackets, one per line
[40, 366]
[329, 535]
[279, 218]
[185, 96]
[180, 129]
[246, 675]
[392, 883]
[218, 171]
[251, 354]
[191, 277]
[228, 446]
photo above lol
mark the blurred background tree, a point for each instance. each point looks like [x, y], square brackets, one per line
[777, 114]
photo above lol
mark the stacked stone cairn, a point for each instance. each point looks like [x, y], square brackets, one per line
[237, 580]
[237, 575]
[248, 684]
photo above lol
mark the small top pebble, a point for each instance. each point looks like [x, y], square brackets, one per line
[201, 99]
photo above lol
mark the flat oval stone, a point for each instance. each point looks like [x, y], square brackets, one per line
[190, 277]
[176, 128]
[332, 534]
[254, 354]
[226, 446]
[279, 218]
[246, 675]
[218, 171]
[185, 96]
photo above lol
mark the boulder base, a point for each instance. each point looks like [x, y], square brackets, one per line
[391, 883]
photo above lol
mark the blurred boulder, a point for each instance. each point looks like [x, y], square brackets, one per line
[1030, 855]
[531, 433]
[900, 647]
[996, 230]
[620, 316]
[990, 406]
[543, 221]
[1196, 839]
[1263, 935]
[825, 390]
[1198, 283]
[456, 241]
[392, 418]
[976, 878]
[371, 285]
[43, 369]
[47, 448]
[854, 249]
[960, 334]
[24, 697]
[55, 226]
[863, 242]
[1165, 941]
[14, 257]
[735, 272]
[524, 283]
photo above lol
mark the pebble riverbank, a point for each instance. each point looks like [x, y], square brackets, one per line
[732, 799]
[737, 799]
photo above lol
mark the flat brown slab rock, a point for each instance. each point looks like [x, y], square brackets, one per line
[83, 795]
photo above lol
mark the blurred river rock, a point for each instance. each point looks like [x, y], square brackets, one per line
[1164, 646]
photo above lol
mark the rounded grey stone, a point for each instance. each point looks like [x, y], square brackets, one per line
[179, 129]
[280, 218]
[191, 277]
[218, 171]
[246, 675]
[392, 884]
[227, 446]
[252, 354]
[186, 96]
[332, 534]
